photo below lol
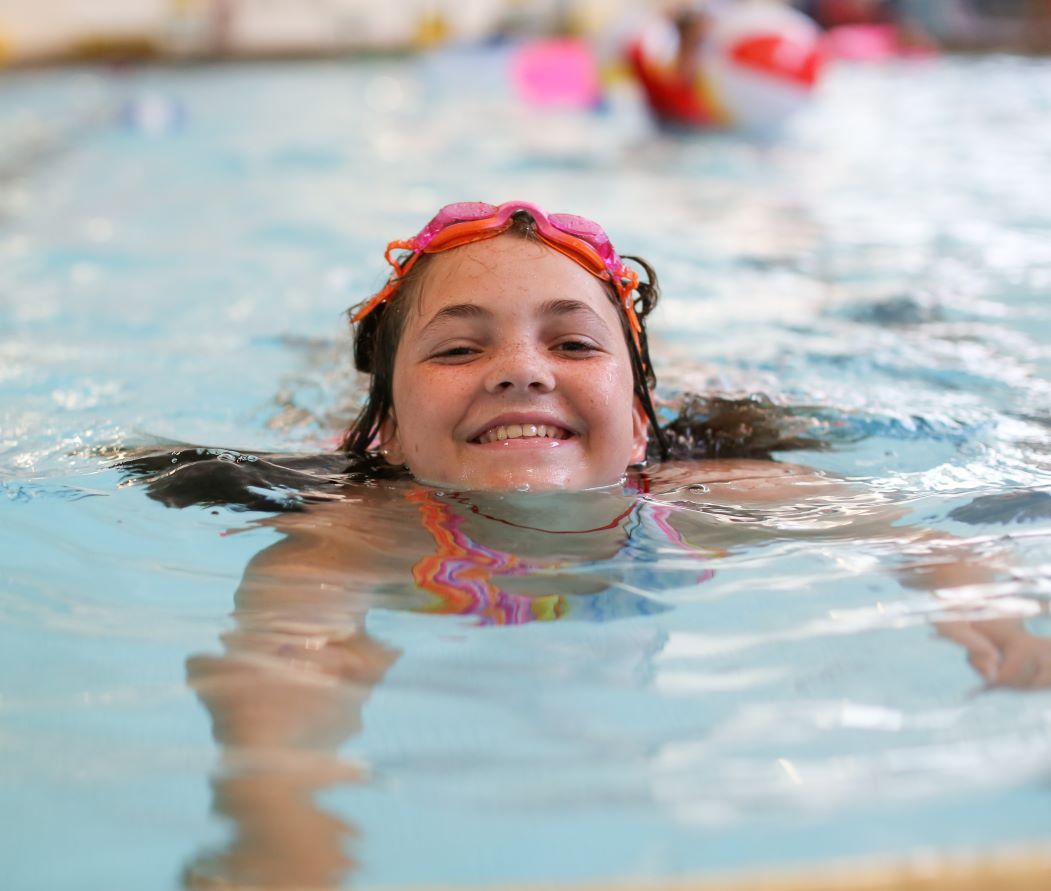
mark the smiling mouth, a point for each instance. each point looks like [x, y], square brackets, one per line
[522, 431]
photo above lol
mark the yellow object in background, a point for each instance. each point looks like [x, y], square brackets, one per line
[107, 47]
[431, 30]
[6, 50]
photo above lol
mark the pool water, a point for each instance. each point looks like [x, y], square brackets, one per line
[764, 689]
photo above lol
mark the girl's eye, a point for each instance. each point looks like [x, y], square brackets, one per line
[576, 346]
[457, 352]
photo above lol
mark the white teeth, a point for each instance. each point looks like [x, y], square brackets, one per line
[523, 431]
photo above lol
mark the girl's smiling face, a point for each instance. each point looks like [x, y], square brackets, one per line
[513, 371]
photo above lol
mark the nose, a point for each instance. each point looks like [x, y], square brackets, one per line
[520, 368]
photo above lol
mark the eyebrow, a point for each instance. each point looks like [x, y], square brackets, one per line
[566, 307]
[555, 307]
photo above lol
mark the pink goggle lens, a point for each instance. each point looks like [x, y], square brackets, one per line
[465, 211]
[581, 227]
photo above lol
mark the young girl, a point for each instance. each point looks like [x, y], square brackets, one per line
[508, 350]
[507, 353]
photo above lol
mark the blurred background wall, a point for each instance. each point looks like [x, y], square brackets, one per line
[31, 29]
[49, 30]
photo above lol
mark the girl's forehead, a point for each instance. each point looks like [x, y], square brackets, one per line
[506, 268]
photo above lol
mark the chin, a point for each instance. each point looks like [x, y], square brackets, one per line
[520, 479]
[518, 482]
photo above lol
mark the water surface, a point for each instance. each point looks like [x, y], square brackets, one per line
[768, 689]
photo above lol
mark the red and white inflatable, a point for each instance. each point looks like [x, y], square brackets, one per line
[755, 64]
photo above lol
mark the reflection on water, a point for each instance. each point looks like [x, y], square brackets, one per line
[288, 689]
[282, 699]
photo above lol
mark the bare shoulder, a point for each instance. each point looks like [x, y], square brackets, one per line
[354, 531]
[745, 479]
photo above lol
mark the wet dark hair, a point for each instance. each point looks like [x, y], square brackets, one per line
[378, 335]
[753, 426]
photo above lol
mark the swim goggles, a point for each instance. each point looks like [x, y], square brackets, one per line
[581, 240]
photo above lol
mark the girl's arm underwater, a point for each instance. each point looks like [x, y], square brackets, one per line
[1003, 651]
[794, 501]
[336, 550]
[285, 691]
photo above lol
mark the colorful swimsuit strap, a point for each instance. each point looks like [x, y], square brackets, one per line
[460, 573]
[661, 514]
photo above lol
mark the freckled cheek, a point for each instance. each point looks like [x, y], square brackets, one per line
[605, 399]
[431, 406]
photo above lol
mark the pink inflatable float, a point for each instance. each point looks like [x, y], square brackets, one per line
[560, 71]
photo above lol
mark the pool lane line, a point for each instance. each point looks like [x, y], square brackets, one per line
[1028, 869]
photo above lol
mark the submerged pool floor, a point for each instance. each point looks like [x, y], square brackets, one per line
[769, 691]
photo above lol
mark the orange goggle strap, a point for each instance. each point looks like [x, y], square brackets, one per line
[625, 284]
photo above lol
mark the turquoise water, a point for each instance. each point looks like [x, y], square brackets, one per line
[177, 248]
